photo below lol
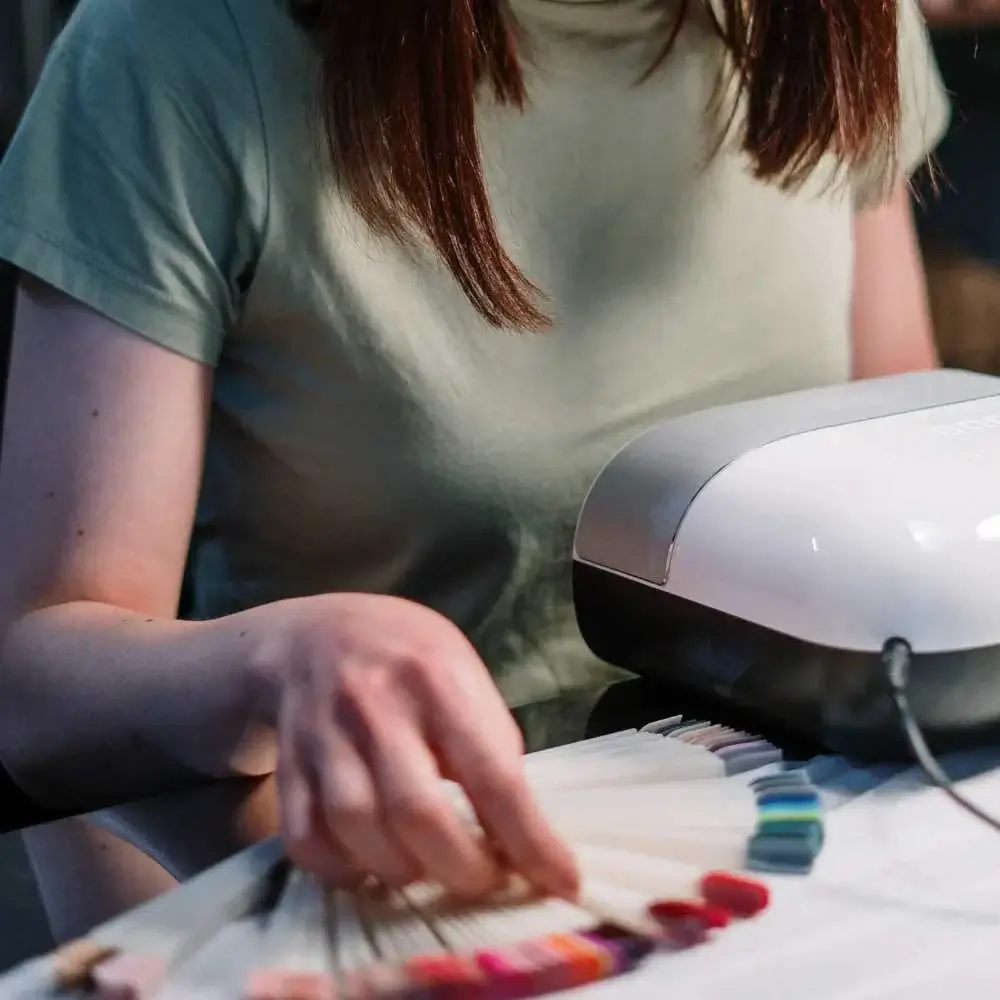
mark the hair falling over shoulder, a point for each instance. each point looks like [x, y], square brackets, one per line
[398, 99]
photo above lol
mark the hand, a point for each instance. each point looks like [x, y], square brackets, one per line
[377, 699]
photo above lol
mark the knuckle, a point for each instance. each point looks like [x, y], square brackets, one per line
[363, 688]
[350, 682]
[413, 813]
[503, 783]
[350, 814]
[414, 674]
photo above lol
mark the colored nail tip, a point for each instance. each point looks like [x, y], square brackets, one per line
[742, 743]
[772, 864]
[441, 985]
[556, 962]
[682, 924]
[608, 932]
[667, 732]
[727, 742]
[717, 917]
[127, 976]
[786, 793]
[749, 762]
[777, 842]
[549, 964]
[263, 981]
[636, 951]
[781, 783]
[786, 779]
[808, 808]
[627, 949]
[784, 775]
[796, 840]
[713, 917]
[674, 909]
[762, 866]
[786, 861]
[443, 968]
[741, 896]
[801, 820]
[282, 984]
[799, 797]
[684, 934]
[804, 829]
[681, 909]
[658, 724]
[683, 730]
[780, 841]
[784, 846]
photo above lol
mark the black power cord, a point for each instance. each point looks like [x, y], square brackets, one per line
[896, 657]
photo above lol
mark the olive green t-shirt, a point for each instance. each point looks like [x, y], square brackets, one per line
[370, 431]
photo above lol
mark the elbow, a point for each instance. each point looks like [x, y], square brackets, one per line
[29, 736]
[20, 728]
[40, 746]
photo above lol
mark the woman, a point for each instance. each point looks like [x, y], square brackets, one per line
[340, 307]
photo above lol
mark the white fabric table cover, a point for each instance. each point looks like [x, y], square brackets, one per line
[904, 903]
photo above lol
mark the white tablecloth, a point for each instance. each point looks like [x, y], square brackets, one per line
[904, 904]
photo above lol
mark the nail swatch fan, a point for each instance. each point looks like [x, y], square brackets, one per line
[676, 828]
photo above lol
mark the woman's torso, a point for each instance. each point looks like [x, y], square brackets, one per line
[372, 433]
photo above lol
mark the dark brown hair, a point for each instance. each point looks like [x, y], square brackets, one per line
[399, 86]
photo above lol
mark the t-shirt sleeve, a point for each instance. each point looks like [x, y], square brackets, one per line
[136, 182]
[925, 107]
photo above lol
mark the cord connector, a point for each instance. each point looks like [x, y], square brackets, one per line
[896, 656]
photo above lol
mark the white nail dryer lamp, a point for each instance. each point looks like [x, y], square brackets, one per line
[765, 552]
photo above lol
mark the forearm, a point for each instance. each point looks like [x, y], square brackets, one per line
[891, 326]
[99, 705]
[962, 13]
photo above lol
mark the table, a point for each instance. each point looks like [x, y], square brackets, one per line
[630, 703]
[904, 903]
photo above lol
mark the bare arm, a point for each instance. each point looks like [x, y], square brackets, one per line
[103, 694]
[962, 13]
[891, 324]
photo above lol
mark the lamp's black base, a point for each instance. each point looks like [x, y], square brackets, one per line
[814, 695]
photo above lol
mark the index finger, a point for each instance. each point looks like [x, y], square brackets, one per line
[493, 779]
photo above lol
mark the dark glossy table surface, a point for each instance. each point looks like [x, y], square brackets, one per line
[625, 705]
[16, 809]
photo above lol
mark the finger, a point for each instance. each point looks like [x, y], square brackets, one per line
[483, 750]
[416, 807]
[351, 814]
[302, 828]
[493, 778]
